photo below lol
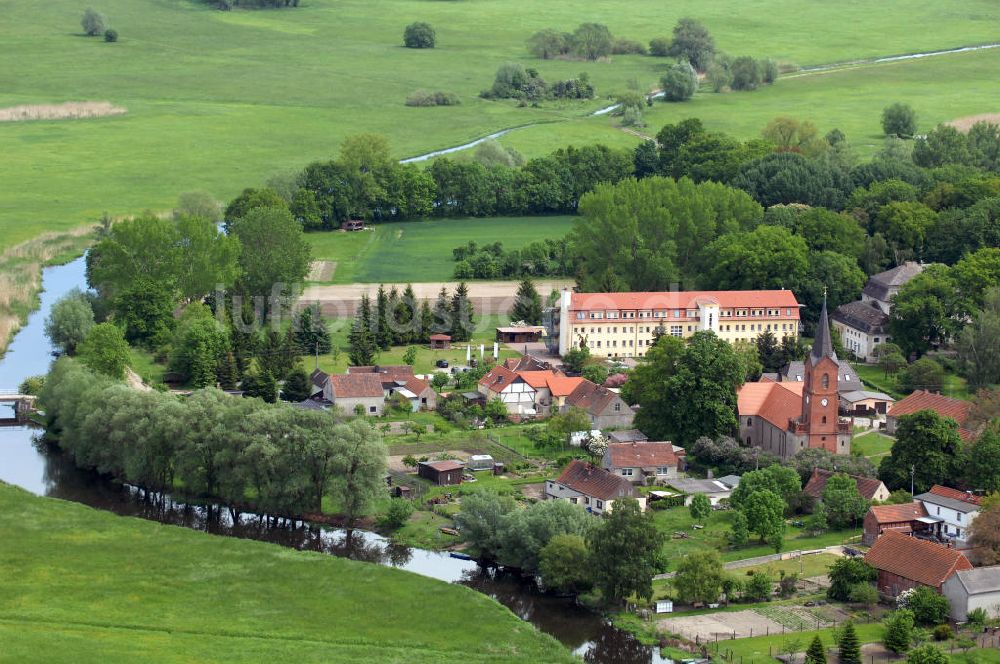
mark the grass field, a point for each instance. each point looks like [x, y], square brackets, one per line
[421, 250]
[220, 100]
[954, 386]
[874, 446]
[713, 536]
[939, 89]
[82, 585]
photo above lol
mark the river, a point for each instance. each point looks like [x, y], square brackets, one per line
[36, 467]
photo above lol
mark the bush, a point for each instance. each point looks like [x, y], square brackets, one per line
[623, 46]
[758, 587]
[110, 35]
[659, 46]
[928, 607]
[679, 83]
[718, 76]
[397, 515]
[92, 23]
[864, 593]
[436, 98]
[33, 385]
[547, 44]
[419, 35]
[769, 71]
[943, 633]
[899, 120]
[898, 631]
[746, 73]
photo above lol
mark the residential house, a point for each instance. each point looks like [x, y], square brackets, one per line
[971, 589]
[905, 562]
[552, 389]
[864, 324]
[594, 488]
[954, 509]
[865, 403]
[714, 490]
[606, 408]
[869, 487]
[399, 379]
[956, 409]
[786, 417]
[515, 392]
[626, 324]
[527, 363]
[353, 393]
[642, 463]
[442, 473]
[905, 518]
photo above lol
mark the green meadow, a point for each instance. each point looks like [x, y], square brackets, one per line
[81, 585]
[221, 100]
[421, 250]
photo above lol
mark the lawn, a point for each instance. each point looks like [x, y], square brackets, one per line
[81, 585]
[954, 385]
[874, 446]
[218, 101]
[421, 250]
[713, 536]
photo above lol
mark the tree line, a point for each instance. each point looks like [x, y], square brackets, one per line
[214, 445]
[543, 258]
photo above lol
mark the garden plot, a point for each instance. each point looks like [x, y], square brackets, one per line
[722, 625]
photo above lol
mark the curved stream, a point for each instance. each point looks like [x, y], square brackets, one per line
[35, 467]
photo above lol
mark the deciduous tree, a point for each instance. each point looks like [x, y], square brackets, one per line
[105, 350]
[928, 446]
[624, 549]
[69, 321]
[699, 577]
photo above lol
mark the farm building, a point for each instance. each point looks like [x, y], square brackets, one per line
[869, 488]
[520, 335]
[905, 562]
[956, 409]
[442, 473]
[906, 518]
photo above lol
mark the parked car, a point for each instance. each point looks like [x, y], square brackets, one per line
[441, 364]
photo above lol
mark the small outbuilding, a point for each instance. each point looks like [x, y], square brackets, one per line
[442, 473]
[481, 462]
[520, 335]
[352, 225]
[971, 589]
[440, 342]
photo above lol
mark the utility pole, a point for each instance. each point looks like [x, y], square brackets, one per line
[913, 470]
[317, 355]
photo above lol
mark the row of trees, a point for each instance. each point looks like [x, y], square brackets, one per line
[216, 446]
[396, 319]
[590, 41]
[570, 549]
[514, 81]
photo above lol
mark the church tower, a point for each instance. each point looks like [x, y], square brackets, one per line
[820, 396]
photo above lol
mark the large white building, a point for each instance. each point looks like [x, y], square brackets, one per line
[625, 324]
[863, 325]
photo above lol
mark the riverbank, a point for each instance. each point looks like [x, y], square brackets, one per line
[84, 583]
[21, 275]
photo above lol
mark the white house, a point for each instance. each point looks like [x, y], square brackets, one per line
[971, 589]
[594, 488]
[954, 510]
[642, 463]
[507, 386]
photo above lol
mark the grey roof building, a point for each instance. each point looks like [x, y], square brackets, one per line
[972, 589]
[882, 286]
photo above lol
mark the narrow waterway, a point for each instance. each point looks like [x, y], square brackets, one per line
[36, 467]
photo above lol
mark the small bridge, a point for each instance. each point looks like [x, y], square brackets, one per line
[23, 404]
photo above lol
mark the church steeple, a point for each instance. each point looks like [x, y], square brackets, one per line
[822, 344]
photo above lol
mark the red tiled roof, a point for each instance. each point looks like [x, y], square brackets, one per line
[641, 455]
[592, 481]
[775, 402]
[526, 363]
[915, 559]
[955, 494]
[347, 386]
[751, 299]
[897, 513]
[416, 385]
[867, 486]
[563, 386]
[440, 337]
[498, 378]
[956, 409]
[537, 379]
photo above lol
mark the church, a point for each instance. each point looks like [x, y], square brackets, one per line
[784, 418]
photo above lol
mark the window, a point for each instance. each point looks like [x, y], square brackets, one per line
[749, 421]
[824, 419]
[573, 500]
[958, 517]
[600, 504]
[618, 407]
[627, 472]
[586, 500]
[662, 470]
[580, 315]
[825, 381]
[676, 330]
[372, 409]
[939, 510]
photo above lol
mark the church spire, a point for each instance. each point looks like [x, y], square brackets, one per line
[822, 344]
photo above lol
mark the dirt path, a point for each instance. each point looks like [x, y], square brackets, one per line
[488, 297]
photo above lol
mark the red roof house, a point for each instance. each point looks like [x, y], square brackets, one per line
[905, 518]
[638, 461]
[956, 409]
[905, 562]
[869, 487]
